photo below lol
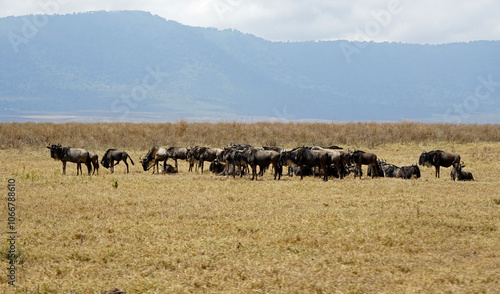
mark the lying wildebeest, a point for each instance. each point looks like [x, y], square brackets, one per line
[457, 174]
[155, 155]
[177, 153]
[407, 172]
[94, 158]
[217, 167]
[390, 170]
[168, 169]
[359, 158]
[112, 155]
[76, 155]
[438, 158]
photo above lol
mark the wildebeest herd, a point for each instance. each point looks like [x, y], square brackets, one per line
[240, 160]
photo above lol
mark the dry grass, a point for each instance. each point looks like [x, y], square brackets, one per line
[202, 233]
[143, 136]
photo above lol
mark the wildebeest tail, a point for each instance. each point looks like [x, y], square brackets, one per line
[130, 159]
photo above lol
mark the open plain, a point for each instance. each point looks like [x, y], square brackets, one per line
[192, 232]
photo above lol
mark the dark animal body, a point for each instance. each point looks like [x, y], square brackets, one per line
[176, 153]
[263, 158]
[359, 158]
[438, 158]
[153, 157]
[76, 155]
[407, 172]
[112, 155]
[458, 174]
[94, 158]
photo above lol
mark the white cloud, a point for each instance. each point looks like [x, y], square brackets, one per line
[423, 21]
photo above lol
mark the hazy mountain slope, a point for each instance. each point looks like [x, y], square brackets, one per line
[133, 65]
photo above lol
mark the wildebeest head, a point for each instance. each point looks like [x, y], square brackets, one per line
[106, 158]
[426, 158]
[57, 151]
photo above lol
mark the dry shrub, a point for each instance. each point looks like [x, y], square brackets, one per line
[145, 135]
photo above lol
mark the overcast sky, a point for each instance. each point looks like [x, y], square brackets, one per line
[409, 21]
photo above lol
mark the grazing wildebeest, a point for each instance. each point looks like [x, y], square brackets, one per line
[177, 153]
[112, 155]
[438, 158]
[76, 155]
[359, 158]
[94, 158]
[262, 158]
[457, 174]
[155, 155]
[407, 172]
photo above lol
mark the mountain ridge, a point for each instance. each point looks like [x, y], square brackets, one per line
[134, 66]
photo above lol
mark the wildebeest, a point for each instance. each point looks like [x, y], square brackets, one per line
[94, 158]
[217, 167]
[457, 174]
[380, 169]
[311, 158]
[112, 155]
[262, 158]
[359, 158]
[390, 170]
[76, 155]
[335, 158]
[438, 158]
[206, 154]
[177, 153]
[407, 172]
[168, 169]
[154, 155]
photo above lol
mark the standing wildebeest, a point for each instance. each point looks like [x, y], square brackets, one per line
[311, 158]
[94, 158]
[262, 158]
[206, 154]
[438, 158]
[76, 155]
[359, 158]
[176, 153]
[155, 155]
[112, 155]
[407, 172]
[457, 174]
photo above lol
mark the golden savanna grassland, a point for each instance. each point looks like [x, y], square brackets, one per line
[193, 232]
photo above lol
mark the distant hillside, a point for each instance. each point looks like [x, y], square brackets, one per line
[109, 66]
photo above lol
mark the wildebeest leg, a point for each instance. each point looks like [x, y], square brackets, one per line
[325, 172]
[64, 167]
[112, 167]
[437, 171]
[176, 167]
[78, 168]
[254, 171]
[125, 161]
